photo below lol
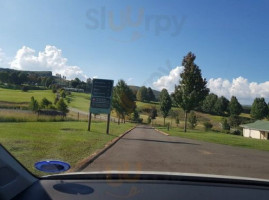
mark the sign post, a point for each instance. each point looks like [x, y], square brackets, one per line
[101, 98]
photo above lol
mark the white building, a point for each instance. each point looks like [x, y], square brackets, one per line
[257, 130]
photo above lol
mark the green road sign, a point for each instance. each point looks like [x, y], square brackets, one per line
[101, 96]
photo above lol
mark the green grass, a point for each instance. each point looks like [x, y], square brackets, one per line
[16, 96]
[30, 142]
[80, 101]
[219, 138]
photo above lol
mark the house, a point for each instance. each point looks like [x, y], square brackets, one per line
[257, 130]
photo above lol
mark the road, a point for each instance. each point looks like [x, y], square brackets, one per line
[148, 150]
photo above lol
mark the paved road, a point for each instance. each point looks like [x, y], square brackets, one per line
[148, 150]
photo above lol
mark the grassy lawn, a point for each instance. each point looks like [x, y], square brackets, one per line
[16, 96]
[30, 142]
[219, 138]
[80, 101]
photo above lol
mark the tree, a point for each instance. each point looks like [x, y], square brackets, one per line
[221, 106]
[48, 81]
[174, 114]
[234, 121]
[153, 113]
[208, 105]
[259, 109]
[165, 104]
[45, 103]
[150, 95]
[192, 87]
[135, 116]
[22, 77]
[62, 106]
[208, 126]
[4, 77]
[177, 121]
[235, 107]
[33, 104]
[13, 76]
[142, 94]
[75, 83]
[123, 101]
[192, 120]
[225, 125]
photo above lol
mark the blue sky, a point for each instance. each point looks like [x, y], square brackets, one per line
[229, 38]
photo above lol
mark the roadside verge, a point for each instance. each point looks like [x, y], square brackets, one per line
[161, 132]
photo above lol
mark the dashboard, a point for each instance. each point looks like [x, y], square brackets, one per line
[128, 185]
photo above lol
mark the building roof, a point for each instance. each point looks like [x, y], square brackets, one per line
[258, 125]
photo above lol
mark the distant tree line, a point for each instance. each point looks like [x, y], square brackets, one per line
[22, 78]
[145, 94]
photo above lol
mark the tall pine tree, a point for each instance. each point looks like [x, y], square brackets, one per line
[192, 87]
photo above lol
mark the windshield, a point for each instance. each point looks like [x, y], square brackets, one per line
[168, 86]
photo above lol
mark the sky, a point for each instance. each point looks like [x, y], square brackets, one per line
[142, 41]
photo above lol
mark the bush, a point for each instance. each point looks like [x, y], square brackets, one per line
[61, 106]
[237, 132]
[225, 125]
[234, 121]
[33, 104]
[208, 126]
[149, 120]
[177, 121]
[192, 120]
[63, 93]
[24, 88]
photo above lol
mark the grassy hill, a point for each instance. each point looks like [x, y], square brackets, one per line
[81, 101]
[10, 98]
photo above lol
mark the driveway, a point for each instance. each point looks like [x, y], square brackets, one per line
[148, 150]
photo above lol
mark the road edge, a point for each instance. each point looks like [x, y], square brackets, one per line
[85, 162]
[166, 134]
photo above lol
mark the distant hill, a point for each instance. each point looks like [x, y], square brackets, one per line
[155, 92]
[40, 73]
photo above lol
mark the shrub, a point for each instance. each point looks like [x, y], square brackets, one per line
[149, 120]
[45, 103]
[192, 120]
[208, 126]
[234, 121]
[63, 93]
[61, 106]
[225, 125]
[33, 104]
[135, 117]
[237, 132]
[24, 88]
[177, 121]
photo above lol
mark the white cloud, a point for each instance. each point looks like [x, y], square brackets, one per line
[168, 81]
[50, 59]
[240, 87]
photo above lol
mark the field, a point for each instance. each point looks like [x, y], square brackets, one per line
[219, 138]
[31, 142]
[80, 101]
[18, 96]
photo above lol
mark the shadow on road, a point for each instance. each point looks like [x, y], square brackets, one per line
[161, 141]
[144, 127]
